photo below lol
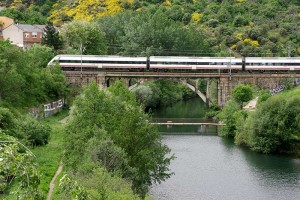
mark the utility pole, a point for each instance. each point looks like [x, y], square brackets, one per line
[289, 49]
[229, 64]
[81, 51]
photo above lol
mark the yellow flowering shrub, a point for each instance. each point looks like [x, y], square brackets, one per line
[167, 3]
[196, 17]
[86, 9]
[251, 42]
[254, 43]
[239, 36]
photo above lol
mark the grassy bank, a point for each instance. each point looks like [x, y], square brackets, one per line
[49, 156]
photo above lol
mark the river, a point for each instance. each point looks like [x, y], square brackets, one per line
[208, 167]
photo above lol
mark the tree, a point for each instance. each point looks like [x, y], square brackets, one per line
[55, 85]
[242, 93]
[86, 37]
[7, 119]
[226, 116]
[144, 95]
[276, 125]
[39, 56]
[51, 37]
[123, 120]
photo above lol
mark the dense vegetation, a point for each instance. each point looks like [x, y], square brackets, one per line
[25, 79]
[25, 83]
[272, 128]
[246, 27]
[101, 139]
[161, 93]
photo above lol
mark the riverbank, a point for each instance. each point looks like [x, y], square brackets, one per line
[272, 128]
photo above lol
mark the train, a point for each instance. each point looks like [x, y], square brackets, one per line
[176, 64]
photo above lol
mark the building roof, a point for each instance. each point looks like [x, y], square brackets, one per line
[29, 28]
[41, 27]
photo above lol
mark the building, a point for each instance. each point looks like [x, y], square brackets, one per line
[23, 35]
[4, 23]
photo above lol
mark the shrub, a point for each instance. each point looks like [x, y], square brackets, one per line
[33, 132]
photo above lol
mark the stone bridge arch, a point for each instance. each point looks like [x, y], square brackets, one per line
[183, 82]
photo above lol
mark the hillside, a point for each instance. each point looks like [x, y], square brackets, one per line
[229, 27]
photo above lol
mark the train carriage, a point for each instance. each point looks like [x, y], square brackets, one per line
[177, 64]
[99, 63]
[279, 64]
[200, 64]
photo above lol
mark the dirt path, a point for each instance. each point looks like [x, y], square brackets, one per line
[251, 105]
[52, 183]
[59, 169]
[64, 120]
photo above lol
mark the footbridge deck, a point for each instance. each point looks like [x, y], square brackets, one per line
[188, 124]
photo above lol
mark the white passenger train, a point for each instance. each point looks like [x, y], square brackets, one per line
[173, 63]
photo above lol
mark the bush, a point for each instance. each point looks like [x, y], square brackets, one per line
[7, 119]
[276, 125]
[33, 132]
[240, 21]
[226, 116]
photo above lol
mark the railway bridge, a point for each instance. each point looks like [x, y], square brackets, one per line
[225, 82]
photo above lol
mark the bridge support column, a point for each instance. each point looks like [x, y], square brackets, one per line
[207, 92]
[101, 81]
[196, 85]
[224, 91]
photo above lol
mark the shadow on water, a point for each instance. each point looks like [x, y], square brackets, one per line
[273, 169]
[269, 169]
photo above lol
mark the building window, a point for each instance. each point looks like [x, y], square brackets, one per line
[34, 34]
[27, 35]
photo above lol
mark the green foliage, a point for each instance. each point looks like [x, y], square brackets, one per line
[7, 119]
[35, 133]
[161, 93]
[277, 125]
[51, 37]
[273, 127]
[146, 27]
[85, 36]
[72, 188]
[242, 93]
[40, 55]
[214, 110]
[144, 95]
[18, 164]
[25, 82]
[148, 33]
[226, 116]
[264, 95]
[96, 116]
[120, 91]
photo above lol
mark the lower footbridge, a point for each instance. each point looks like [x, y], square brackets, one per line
[187, 124]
